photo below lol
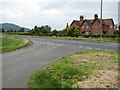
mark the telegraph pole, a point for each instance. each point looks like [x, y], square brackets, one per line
[101, 28]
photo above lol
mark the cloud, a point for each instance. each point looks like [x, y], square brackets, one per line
[56, 14]
[58, 1]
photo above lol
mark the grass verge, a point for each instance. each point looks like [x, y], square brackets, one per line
[9, 44]
[69, 71]
[104, 39]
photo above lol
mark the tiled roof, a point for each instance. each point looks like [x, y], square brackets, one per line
[77, 22]
[107, 21]
[91, 21]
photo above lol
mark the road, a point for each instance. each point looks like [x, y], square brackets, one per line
[17, 66]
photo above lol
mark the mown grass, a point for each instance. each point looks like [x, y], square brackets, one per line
[104, 39]
[68, 70]
[9, 44]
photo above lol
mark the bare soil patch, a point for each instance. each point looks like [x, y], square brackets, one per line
[103, 79]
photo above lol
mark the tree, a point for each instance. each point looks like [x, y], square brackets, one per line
[117, 32]
[21, 30]
[77, 31]
[55, 32]
[3, 30]
[43, 30]
[67, 25]
[35, 27]
[15, 30]
[8, 30]
[46, 29]
[70, 31]
[11, 30]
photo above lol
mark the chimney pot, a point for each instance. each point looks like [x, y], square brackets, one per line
[95, 16]
[81, 18]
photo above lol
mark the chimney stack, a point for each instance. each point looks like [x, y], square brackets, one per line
[81, 18]
[95, 16]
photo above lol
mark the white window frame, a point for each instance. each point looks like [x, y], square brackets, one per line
[96, 32]
[87, 32]
[83, 26]
[110, 31]
[110, 26]
[86, 27]
[96, 26]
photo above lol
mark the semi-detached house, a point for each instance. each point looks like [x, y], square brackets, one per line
[92, 26]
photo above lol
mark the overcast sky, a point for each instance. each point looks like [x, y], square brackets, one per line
[56, 13]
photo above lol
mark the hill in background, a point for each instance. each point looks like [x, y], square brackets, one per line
[8, 26]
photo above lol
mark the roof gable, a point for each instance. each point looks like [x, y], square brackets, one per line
[91, 21]
[76, 22]
[85, 21]
[108, 21]
[95, 20]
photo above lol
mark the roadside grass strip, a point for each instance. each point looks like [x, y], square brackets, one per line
[72, 70]
[10, 43]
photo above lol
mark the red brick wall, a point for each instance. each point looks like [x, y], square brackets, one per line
[74, 24]
[85, 29]
[96, 29]
[92, 29]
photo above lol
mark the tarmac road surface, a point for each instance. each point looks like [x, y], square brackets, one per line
[17, 66]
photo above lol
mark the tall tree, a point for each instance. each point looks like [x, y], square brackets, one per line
[70, 31]
[35, 27]
[77, 31]
[21, 30]
[67, 25]
[55, 32]
[46, 29]
[3, 30]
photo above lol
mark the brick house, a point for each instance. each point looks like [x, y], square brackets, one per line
[92, 26]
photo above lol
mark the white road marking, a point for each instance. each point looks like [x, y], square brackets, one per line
[47, 43]
[88, 47]
[58, 45]
[97, 48]
[61, 44]
[81, 46]
[67, 45]
[105, 49]
[74, 46]
[54, 47]
[43, 42]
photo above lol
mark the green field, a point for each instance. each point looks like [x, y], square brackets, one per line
[9, 44]
[67, 71]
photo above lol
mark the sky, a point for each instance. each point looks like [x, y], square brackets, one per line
[119, 13]
[56, 13]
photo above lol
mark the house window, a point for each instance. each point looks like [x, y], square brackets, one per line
[86, 27]
[87, 32]
[110, 31]
[110, 26]
[82, 26]
[96, 32]
[96, 26]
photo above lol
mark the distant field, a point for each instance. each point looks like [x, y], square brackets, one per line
[10, 44]
[86, 69]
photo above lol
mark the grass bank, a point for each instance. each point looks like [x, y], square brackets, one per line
[72, 70]
[9, 44]
[104, 39]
